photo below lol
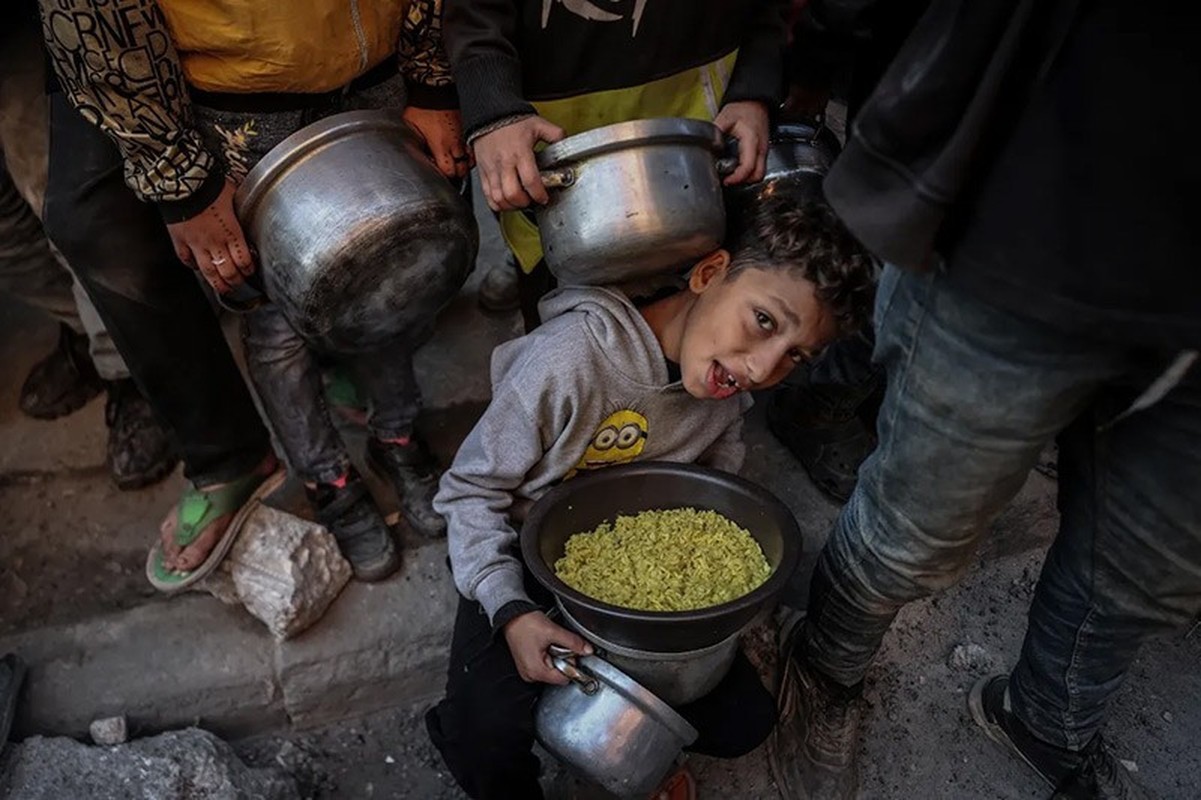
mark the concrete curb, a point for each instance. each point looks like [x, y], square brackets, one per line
[191, 660]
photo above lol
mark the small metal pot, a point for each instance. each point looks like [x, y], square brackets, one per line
[586, 501]
[359, 237]
[798, 157]
[632, 200]
[675, 678]
[606, 727]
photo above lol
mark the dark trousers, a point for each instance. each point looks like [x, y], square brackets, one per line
[531, 288]
[484, 727]
[151, 304]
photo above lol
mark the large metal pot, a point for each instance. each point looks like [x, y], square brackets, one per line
[358, 235]
[798, 158]
[631, 200]
[583, 503]
[675, 678]
[607, 727]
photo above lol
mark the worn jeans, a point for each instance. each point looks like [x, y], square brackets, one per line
[30, 268]
[282, 365]
[151, 304]
[974, 394]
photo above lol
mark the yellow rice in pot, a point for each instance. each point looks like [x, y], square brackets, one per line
[675, 560]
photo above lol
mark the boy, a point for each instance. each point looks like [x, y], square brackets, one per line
[791, 282]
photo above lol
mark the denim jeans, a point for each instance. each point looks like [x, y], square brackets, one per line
[974, 394]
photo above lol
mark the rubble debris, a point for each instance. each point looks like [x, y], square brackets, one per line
[285, 570]
[109, 731]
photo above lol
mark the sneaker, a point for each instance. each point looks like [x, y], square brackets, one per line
[349, 512]
[1089, 774]
[414, 475]
[139, 451]
[813, 748]
[62, 382]
[498, 290]
[821, 427]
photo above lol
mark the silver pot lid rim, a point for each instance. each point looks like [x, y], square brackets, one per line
[659, 130]
[613, 678]
[285, 154]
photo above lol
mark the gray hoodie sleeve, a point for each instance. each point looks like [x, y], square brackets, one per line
[534, 385]
[476, 495]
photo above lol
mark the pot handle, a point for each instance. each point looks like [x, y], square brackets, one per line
[558, 178]
[564, 661]
[728, 161]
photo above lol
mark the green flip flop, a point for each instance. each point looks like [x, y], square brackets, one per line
[196, 511]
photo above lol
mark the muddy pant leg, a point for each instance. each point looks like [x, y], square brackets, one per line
[151, 305]
[105, 357]
[285, 373]
[390, 384]
[484, 727]
[973, 395]
[1125, 566]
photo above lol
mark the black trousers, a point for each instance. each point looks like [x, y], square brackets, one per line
[484, 727]
[151, 303]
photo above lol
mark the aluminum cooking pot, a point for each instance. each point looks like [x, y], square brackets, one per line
[632, 200]
[584, 502]
[608, 728]
[675, 678]
[359, 237]
[798, 158]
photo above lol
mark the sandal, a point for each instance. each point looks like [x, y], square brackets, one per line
[196, 511]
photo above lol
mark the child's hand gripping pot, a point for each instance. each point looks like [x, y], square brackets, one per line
[529, 637]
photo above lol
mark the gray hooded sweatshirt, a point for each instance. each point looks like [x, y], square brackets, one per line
[587, 389]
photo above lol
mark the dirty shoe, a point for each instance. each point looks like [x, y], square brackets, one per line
[63, 381]
[139, 450]
[349, 512]
[414, 474]
[1090, 774]
[812, 750]
[498, 290]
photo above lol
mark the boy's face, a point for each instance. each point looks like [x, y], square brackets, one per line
[749, 330]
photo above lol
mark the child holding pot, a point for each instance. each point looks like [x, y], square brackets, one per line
[682, 366]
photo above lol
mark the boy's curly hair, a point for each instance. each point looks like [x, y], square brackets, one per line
[786, 233]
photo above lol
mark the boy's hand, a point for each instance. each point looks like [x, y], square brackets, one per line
[443, 135]
[528, 637]
[746, 121]
[213, 242]
[508, 172]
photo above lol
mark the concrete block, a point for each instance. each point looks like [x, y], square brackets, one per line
[380, 645]
[284, 569]
[163, 665]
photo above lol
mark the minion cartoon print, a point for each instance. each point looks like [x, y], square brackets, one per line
[619, 439]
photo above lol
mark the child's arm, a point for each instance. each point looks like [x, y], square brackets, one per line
[501, 127]
[759, 71]
[477, 494]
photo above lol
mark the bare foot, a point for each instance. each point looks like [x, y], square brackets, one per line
[186, 559]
